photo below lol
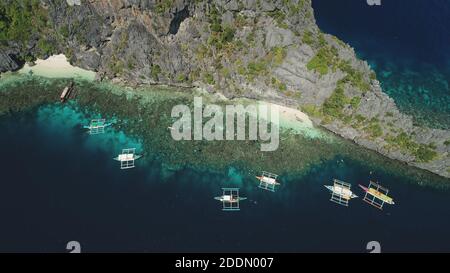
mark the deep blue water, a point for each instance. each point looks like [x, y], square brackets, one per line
[407, 42]
[59, 184]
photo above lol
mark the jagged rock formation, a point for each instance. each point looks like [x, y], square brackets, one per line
[7, 63]
[264, 49]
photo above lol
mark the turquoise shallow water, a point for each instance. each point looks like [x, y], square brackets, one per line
[68, 118]
[60, 184]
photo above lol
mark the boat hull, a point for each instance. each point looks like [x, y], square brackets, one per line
[226, 198]
[88, 127]
[267, 180]
[134, 158]
[344, 192]
[377, 194]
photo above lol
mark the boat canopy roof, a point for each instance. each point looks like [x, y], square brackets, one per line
[123, 157]
[226, 197]
[268, 180]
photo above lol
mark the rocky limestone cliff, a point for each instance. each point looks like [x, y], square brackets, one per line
[262, 49]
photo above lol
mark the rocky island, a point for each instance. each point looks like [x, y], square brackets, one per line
[268, 50]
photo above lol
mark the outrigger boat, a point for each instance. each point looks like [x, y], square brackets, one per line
[230, 199]
[67, 92]
[340, 192]
[268, 181]
[376, 195]
[97, 126]
[127, 158]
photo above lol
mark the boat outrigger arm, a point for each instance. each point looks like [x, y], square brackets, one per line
[229, 198]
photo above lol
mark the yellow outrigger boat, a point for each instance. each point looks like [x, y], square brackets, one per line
[373, 193]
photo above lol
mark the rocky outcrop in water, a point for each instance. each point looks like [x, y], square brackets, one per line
[261, 49]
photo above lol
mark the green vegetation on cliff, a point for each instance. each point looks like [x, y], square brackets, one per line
[374, 129]
[163, 6]
[334, 105]
[325, 59]
[354, 77]
[422, 152]
[279, 17]
[22, 21]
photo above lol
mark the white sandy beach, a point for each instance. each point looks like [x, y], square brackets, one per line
[57, 66]
[291, 117]
[296, 121]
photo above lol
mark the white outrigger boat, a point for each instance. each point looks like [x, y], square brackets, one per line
[127, 158]
[230, 199]
[268, 181]
[97, 126]
[340, 192]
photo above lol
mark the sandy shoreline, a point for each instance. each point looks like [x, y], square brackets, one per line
[292, 115]
[57, 66]
[296, 121]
